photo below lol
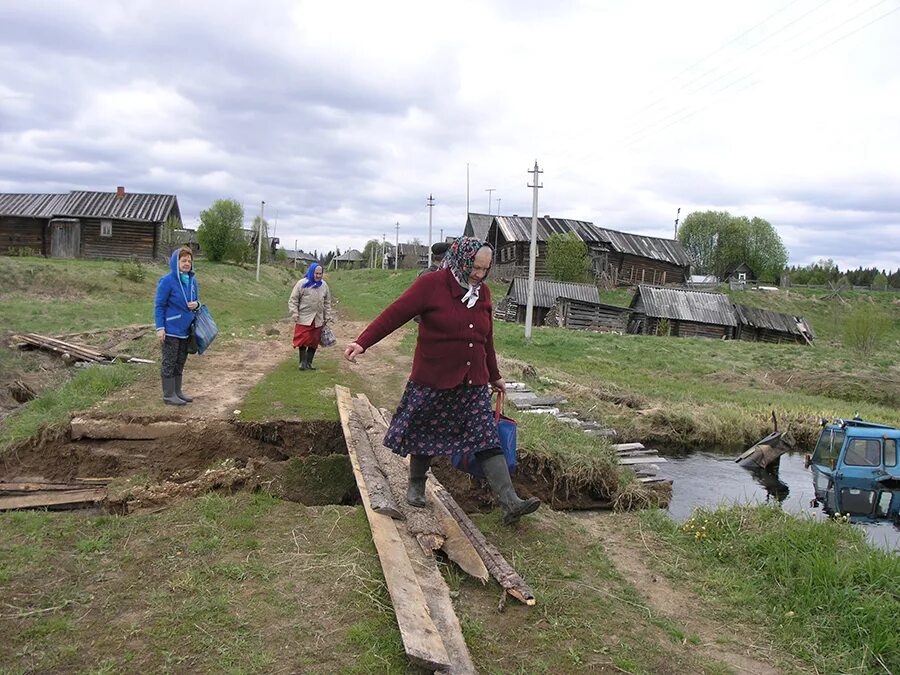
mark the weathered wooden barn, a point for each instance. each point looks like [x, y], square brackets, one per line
[24, 222]
[742, 272]
[412, 256]
[477, 225]
[513, 306]
[620, 257]
[595, 316]
[351, 259]
[84, 224]
[671, 311]
[763, 325]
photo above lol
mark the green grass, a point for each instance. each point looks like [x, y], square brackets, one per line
[825, 594]
[51, 409]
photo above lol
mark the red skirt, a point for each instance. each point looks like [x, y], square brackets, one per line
[307, 336]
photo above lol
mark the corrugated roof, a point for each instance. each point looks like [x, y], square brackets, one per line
[477, 225]
[671, 303]
[518, 228]
[656, 248]
[764, 318]
[30, 205]
[546, 292]
[132, 206]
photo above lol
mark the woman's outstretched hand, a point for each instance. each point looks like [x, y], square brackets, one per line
[499, 385]
[352, 351]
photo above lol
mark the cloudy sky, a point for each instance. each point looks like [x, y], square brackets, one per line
[345, 115]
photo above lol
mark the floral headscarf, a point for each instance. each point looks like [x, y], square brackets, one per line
[461, 259]
[311, 277]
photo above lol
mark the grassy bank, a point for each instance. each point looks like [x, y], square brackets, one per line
[56, 297]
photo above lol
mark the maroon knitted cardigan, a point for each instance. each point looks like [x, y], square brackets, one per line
[455, 345]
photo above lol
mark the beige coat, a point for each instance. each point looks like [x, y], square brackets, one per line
[311, 306]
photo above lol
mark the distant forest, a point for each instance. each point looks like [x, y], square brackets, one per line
[825, 271]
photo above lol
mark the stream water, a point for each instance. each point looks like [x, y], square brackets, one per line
[704, 479]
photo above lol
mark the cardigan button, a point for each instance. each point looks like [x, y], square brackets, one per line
[468, 363]
[470, 344]
[470, 381]
[471, 326]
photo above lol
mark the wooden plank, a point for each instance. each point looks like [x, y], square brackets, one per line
[62, 498]
[421, 640]
[628, 446]
[377, 486]
[640, 460]
[38, 487]
[456, 544]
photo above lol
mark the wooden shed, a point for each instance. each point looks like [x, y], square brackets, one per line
[671, 311]
[348, 259]
[595, 316]
[546, 293]
[24, 220]
[84, 224]
[412, 256]
[763, 325]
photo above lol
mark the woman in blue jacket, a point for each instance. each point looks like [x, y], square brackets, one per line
[177, 296]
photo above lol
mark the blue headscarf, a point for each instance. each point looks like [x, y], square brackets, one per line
[311, 277]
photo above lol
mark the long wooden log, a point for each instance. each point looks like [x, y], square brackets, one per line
[496, 564]
[422, 523]
[39, 487]
[380, 495]
[421, 640]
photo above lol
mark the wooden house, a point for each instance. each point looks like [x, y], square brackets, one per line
[671, 311]
[742, 272]
[546, 293]
[620, 257]
[351, 259]
[763, 325]
[84, 224]
[477, 225]
[412, 256]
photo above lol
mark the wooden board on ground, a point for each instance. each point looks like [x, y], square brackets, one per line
[53, 499]
[620, 447]
[640, 460]
[421, 640]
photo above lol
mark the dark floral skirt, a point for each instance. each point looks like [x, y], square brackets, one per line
[443, 421]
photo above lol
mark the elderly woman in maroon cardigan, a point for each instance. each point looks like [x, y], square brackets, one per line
[446, 407]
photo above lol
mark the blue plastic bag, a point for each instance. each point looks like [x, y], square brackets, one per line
[204, 329]
[508, 430]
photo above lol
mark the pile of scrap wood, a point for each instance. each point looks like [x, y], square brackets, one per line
[84, 492]
[70, 350]
[407, 537]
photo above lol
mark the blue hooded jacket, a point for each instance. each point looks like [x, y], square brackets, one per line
[172, 297]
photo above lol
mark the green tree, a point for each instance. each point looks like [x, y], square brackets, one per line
[567, 257]
[718, 242]
[220, 233]
[880, 281]
[372, 252]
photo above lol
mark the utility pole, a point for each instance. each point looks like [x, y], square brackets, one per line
[397, 246]
[430, 204]
[677, 215]
[498, 205]
[532, 258]
[383, 249]
[489, 191]
[467, 189]
[442, 234]
[295, 254]
[262, 207]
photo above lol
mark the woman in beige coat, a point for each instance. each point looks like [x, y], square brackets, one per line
[310, 308]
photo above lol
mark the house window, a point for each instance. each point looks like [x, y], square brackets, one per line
[105, 228]
[742, 276]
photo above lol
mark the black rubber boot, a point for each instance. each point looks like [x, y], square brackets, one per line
[301, 351]
[497, 472]
[418, 467]
[180, 394]
[169, 395]
[310, 353]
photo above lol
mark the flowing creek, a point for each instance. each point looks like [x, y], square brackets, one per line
[702, 479]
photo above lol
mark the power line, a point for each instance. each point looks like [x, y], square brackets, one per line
[648, 130]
